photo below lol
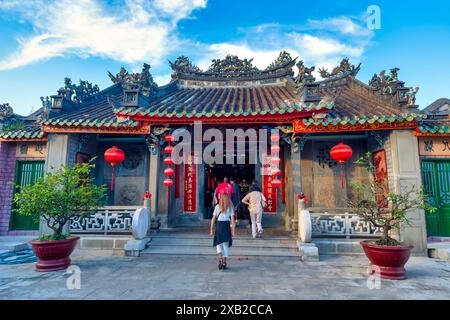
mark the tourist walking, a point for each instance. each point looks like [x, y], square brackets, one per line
[223, 229]
[235, 197]
[256, 203]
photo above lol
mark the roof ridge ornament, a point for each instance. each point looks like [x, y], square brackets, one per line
[344, 68]
[140, 81]
[283, 59]
[232, 67]
[6, 111]
[388, 85]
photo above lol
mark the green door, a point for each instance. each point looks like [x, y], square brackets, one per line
[436, 183]
[27, 172]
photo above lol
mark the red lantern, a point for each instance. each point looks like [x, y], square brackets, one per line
[168, 161]
[276, 183]
[114, 156]
[168, 149]
[275, 160]
[168, 172]
[168, 182]
[275, 148]
[274, 137]
[169, 138]
[276, 172]
[341, 153]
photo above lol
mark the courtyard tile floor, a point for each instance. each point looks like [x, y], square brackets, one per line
[105, 275]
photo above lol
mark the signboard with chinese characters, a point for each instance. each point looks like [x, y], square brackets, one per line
[270, 193]
[434, 147]
[31, 150]
[190, 187]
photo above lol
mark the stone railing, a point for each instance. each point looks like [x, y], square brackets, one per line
[106, 220]
[342, 224]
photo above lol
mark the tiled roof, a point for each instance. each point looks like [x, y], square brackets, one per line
[224, 102]
[357, 105]
[96, 113]
[28, 132]
[435, 126]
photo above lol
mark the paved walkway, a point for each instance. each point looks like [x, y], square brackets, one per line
[108, 276]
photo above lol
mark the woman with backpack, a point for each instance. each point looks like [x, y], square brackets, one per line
[223, 229]
[256, 203]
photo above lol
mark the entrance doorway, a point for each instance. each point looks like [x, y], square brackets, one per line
[27, 172]
[436, 183]
[243, 174]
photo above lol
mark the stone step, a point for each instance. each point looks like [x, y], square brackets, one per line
[439, 250]
[269, 243]
[338, 246]
[200, 243]
[235, 251]
[15, 243]
[102, 242]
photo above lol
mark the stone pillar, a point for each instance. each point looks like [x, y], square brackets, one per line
[7, 171]
[61, 150]
[295, 178]
[405, 172]
[153, 186]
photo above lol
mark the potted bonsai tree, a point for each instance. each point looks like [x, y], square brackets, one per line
[386, 211]
[55, 198]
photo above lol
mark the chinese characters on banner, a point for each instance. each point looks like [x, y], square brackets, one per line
[434, 147]
[381, 176]
[270, 193]
[190, 187]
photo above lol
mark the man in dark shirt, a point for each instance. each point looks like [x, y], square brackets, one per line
[236, 195]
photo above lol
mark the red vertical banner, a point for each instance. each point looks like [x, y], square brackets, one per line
[282, 178]
[190, 187]
[177, 181]
[270, 193]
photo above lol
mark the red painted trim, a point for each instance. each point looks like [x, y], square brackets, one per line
[299, 127]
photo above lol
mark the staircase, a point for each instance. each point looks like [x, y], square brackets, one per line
[198, 242]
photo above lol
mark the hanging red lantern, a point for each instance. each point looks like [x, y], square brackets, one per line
[341, 153]
[168, 161]
[276, 183]
[114, 156]
[168, 149]
[276, 172]
[169, 138]
[275, 148]
[168, 182]
[168, 172]
[274, 137]
[275, 160]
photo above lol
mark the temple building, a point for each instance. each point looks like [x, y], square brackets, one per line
[434, 152]
[311, 115]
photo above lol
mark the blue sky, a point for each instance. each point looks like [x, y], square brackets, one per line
[43, 41]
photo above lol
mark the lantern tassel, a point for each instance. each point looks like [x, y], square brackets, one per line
[342, 178]
[112, 180]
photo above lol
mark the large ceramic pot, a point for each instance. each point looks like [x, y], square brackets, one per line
[53, 254]
[390, 260]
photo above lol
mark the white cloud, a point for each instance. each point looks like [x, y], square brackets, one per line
[264, 42]
[133, 32]
[344, 25]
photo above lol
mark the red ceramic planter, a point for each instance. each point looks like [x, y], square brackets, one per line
[54, 254]
[390, 260]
